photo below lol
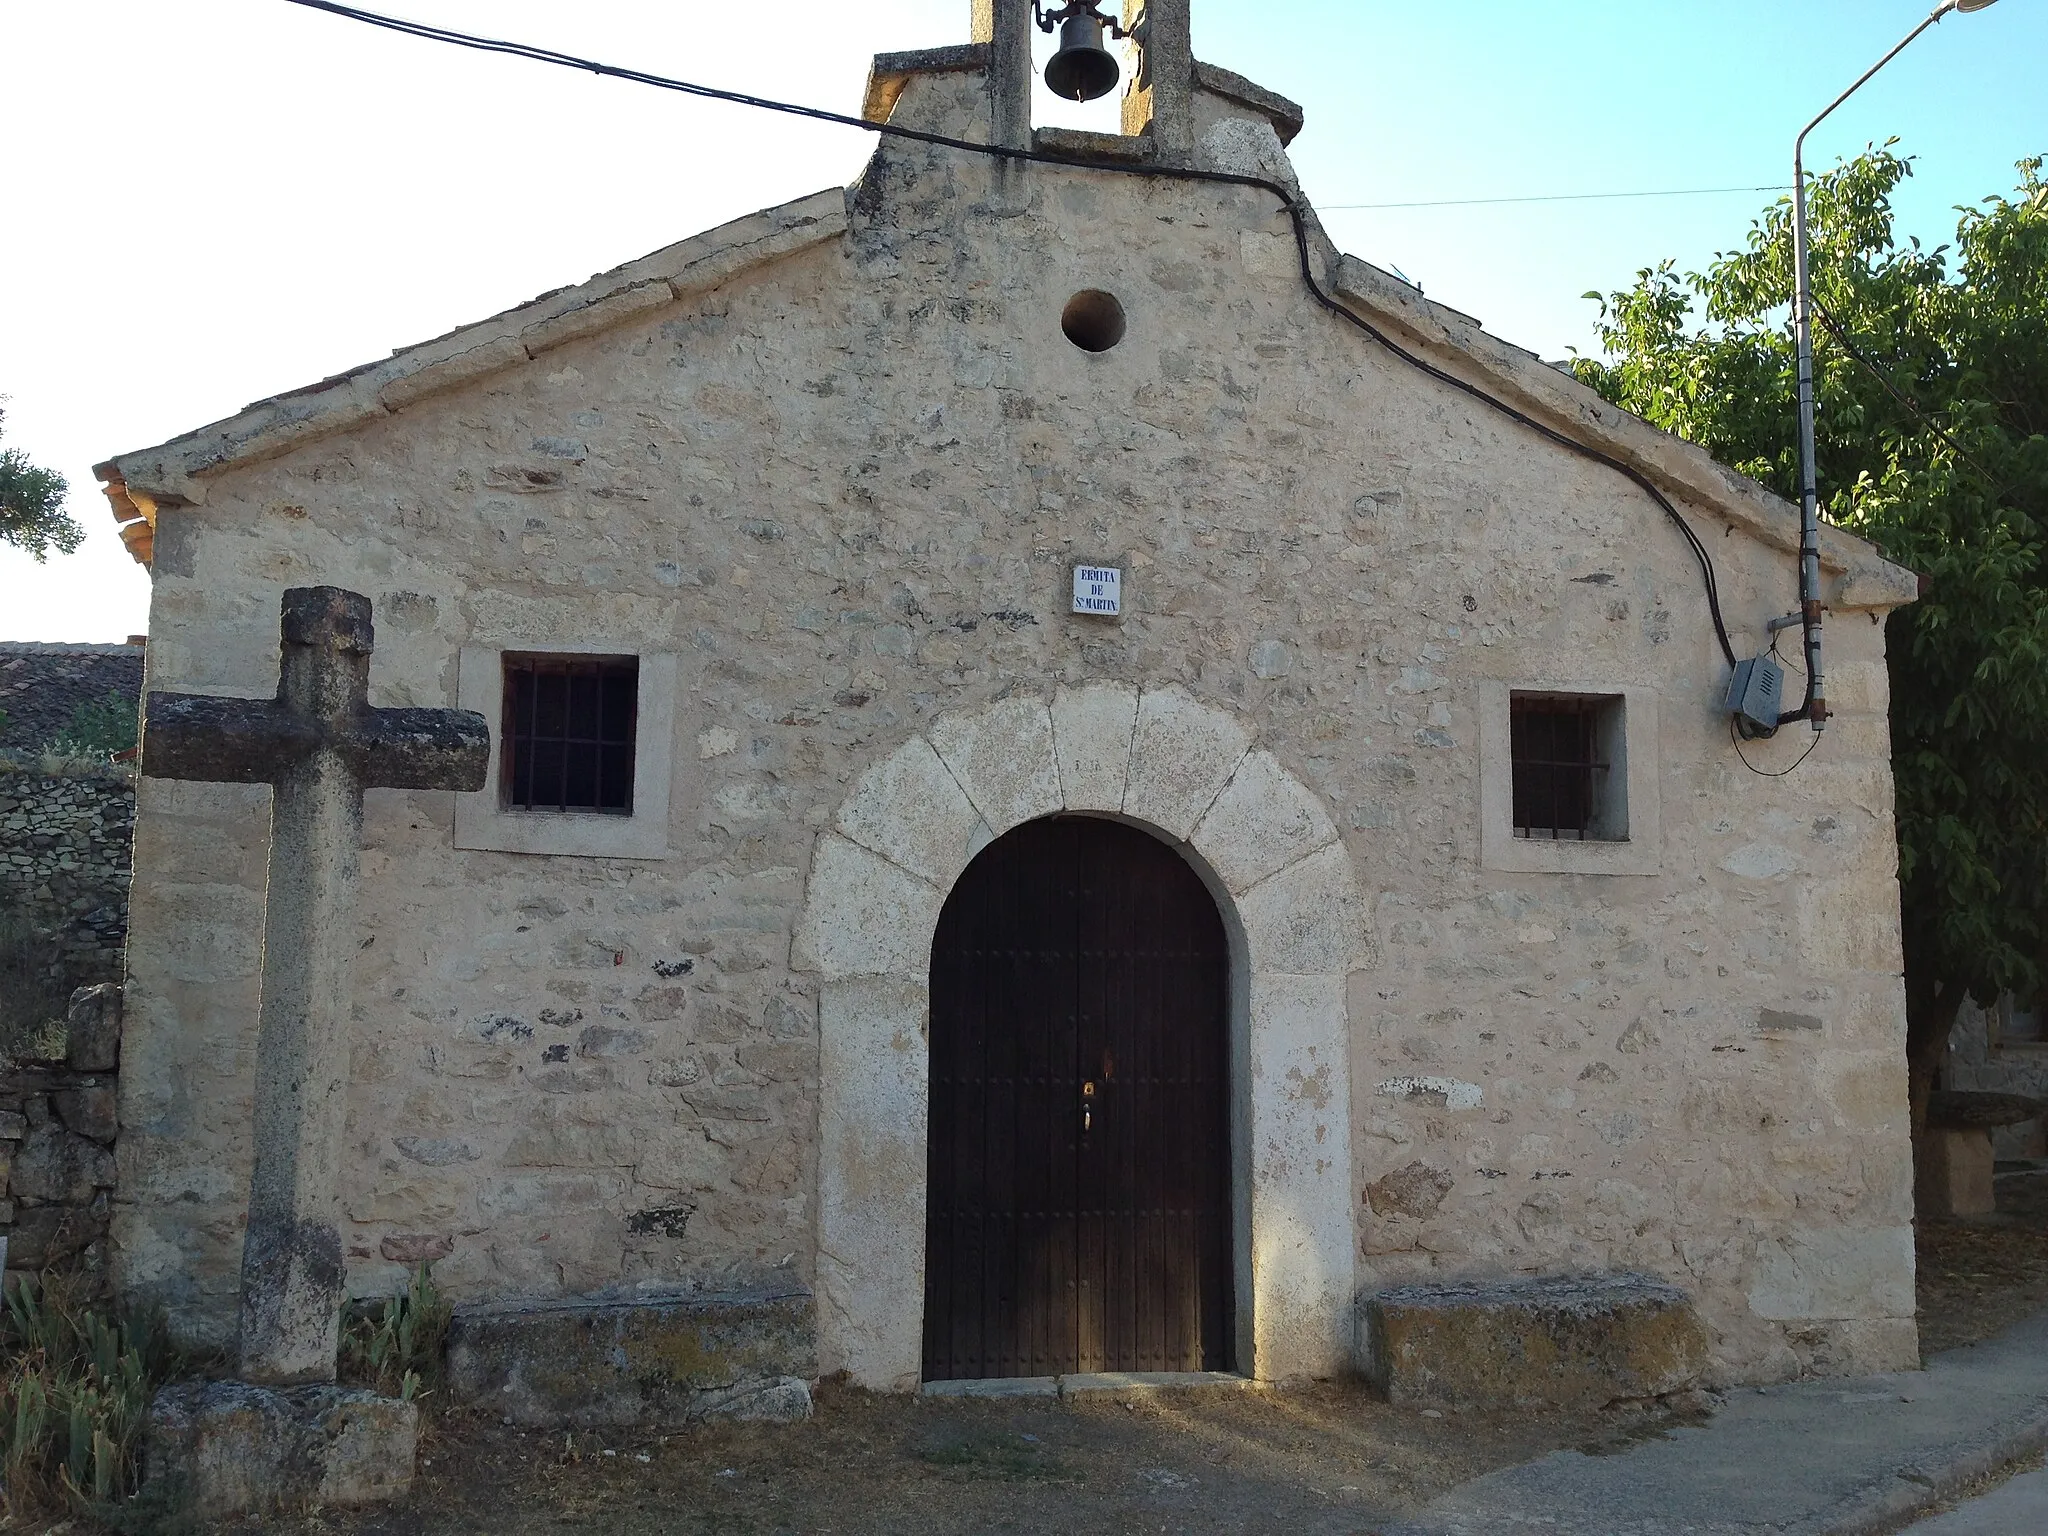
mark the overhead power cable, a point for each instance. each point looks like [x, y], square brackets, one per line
[1288, 201]
[1548, 197]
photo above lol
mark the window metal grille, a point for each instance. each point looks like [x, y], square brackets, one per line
[567, 734]
[1561, 766]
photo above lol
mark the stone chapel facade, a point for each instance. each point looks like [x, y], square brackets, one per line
[759, 555]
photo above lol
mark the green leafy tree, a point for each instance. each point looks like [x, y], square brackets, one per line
[32, 515]
[1932, 369]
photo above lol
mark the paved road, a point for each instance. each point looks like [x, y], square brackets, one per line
[1797, 1460]
[2020, 1508]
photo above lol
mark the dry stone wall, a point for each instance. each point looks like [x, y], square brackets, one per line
[846, 490]
[58, 1126]
[43, 684]
[64, 871]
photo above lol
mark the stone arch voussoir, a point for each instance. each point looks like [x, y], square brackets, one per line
[878, 881]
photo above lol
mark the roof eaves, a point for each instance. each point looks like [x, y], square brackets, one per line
[1553, 397]
[136, 482]
[1286, 116]
[890, 72]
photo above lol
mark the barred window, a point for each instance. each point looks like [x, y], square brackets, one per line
[567, 733]
[1570, 766]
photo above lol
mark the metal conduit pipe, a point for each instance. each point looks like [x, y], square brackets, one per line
[1815, 707]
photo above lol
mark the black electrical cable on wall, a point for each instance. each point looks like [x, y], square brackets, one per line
[1039, 157]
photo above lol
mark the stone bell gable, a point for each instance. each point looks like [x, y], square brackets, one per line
[807, 496]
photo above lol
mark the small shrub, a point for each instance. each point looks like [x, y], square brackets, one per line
[98, 728]
[397, 1345]
[75, 1387]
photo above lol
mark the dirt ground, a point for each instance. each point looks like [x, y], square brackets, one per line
[1982, 1275]
[1321, 1459]
[1324, 1459]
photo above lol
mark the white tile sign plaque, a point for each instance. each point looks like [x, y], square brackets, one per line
[1098, 589]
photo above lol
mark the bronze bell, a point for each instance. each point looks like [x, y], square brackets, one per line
[1083, 69]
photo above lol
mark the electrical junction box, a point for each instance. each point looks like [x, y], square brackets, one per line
[1756, 694]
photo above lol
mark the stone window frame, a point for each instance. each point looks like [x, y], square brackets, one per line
[482, 822]
[1641, 853]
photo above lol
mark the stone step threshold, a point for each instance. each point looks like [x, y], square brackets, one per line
[1090, 1381]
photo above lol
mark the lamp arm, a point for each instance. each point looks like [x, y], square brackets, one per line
[1799, 144]
[1815, 708]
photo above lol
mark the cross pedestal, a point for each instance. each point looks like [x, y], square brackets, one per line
[319, 745]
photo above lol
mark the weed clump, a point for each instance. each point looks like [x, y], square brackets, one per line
[397, 1346]
[75, 1387]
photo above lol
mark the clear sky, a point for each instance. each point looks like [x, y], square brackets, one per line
[212, 201]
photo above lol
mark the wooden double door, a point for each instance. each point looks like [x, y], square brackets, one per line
[1080, 1212]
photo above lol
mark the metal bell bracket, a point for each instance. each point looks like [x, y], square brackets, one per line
[1048, 21]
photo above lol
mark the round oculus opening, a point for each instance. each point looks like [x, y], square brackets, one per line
[1093, 320]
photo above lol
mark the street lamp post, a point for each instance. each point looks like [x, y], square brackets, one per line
[1815, 708]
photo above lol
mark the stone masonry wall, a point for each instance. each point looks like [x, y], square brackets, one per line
[58, 1125]
[64, 872]
[845, 491]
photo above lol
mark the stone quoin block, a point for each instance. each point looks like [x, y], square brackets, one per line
[1003, 757]
[1263, 821]
[1835, 1272]
[1308, 920]
[1572, 1342]
[1182, 754]
[911, 810]
[864, 915]
[92, 1029]
[1091, 729]
[642, 1361]
[221, 1449]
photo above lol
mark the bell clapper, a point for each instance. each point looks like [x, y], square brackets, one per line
[1082, 69]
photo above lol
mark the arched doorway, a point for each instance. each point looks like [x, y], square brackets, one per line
[1079, 1171]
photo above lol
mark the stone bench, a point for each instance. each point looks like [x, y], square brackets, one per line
[639, 1360]
[1569, 1342]
[1952, 1160]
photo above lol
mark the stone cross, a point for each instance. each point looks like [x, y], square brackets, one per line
[319, 745]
